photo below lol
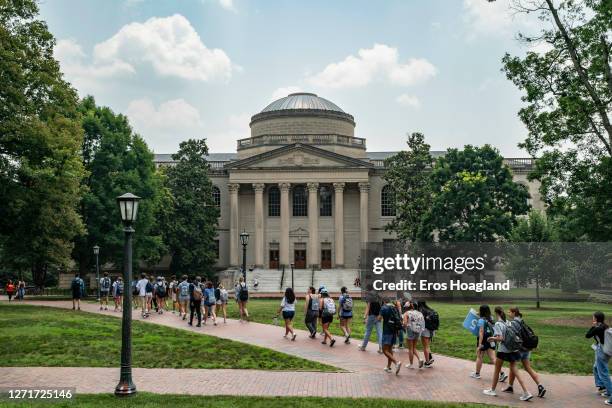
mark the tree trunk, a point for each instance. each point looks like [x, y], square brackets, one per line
[39, 274]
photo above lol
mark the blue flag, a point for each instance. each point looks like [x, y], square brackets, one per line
[471, 322]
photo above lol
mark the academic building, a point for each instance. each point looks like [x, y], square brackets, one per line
[306, 190]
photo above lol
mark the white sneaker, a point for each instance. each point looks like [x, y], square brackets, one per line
[360, 348]
[526, 397]
[490, 392]
[475, 375]
[398, 367]
[387, 370]
[410, 366]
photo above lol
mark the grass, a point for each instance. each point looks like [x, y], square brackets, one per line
[561, 327]
[185, 401]
[42, 336]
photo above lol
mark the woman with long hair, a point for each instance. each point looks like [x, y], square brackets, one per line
[345, 313]
[242, 297]
[427, 334]
[485, 330]
[287, 307]
[328, 310]
[414, 322]
[504, 353]
[311, 311]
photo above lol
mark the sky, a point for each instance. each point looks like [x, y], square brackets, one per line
[201, 68]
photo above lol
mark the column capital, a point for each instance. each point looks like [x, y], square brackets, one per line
[364, 187]
[313, 187]
[233, 187]
[339, 187]
[284, 187]
[259, 187]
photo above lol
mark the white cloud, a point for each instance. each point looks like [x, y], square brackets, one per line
[228, 5]
[170, 45]
[223, 137]
[284, 91]
[165, 126]
[378, 62]
[409, 101]
[494, 18]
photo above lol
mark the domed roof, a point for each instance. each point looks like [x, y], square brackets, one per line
[302, 100]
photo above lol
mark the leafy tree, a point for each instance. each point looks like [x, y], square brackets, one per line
[568, 96]
[408, 174]
[473, 197]
[190, 225]
[118, 161]
[40, 165]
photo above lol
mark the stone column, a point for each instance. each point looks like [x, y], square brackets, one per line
[234, 224]
[364, 194]
[284, 230]
[313, 225]
[339, 224]
[259, 224]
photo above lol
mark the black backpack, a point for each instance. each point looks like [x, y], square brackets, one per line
[243, 295]
[530, 340]
[149, 287]
[432, 320]
[395, 320]
[76, 285]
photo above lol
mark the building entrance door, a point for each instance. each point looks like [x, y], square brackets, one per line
[299, 258]
[326, 259]
[274, 259]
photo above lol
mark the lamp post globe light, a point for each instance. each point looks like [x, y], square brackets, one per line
[244, 240]
[128, 207]
[96, 251]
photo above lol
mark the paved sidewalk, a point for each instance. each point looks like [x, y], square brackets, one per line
[447, 381]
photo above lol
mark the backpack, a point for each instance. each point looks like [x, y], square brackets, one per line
[161, 290]
[488, 330]
[223, 295]
[607, 346]
[218, 293]
[432, 320]
[184, 290]
[243, 294]
[135, 290]
[530, 340]
[314, 303]
[149, 287]
[347, 304]
[197, 292]
[416, 321]
[512, 339]
[106, 284]
[119, 289]
[210, 296]
[395, 319]
[329, 307]
[75, 285]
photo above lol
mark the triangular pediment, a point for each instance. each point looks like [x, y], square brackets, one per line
[298, 155]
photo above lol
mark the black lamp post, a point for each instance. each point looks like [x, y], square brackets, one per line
[292, 283]
[96, 250]
[244, 240]
[128, 206]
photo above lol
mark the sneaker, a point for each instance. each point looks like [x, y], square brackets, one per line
[198, 325]
[421, 363]
[293, 338]
[331, 343]
[475, 375]
[398, 367]
[387, 369]
[503, 377]
[347, 341]
[380, 351]
[605, 394]
[508, 389]
[361, 348]
[608, 402]
[526, 397]
[599, 389]
[189, 323]
[428, 364]
[541, 391]
[324, 342]
[490, 393]
[410, 366]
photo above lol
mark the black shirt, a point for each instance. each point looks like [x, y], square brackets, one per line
[374, 302]
[598, 332]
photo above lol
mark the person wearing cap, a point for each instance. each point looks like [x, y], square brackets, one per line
[327, 306]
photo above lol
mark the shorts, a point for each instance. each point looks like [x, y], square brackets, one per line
[117, 295]
[327, 319]
[149, 294]
[76, 294]
[183, 299]
[427, 333]
[525, 355]
[410, 335]
[288, 314]
[209, 304]
[346, 316]
[104, 293]
[388, 339]
[510, 357]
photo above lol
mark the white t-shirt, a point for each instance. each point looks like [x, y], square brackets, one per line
[288, 307]
[142, 287]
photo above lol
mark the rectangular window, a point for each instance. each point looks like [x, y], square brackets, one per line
[274, 202]
[216, 248]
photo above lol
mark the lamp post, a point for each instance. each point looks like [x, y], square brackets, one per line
[292, 283]
[128, 206]
[244, 240]
[96, 250]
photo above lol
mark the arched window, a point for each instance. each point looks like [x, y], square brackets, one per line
[300, 202]
[387, 201]
[273, 202]
[325, 197]
[216, 193]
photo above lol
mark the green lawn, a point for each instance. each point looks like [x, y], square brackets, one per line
[563, 348]
[184, 401]
[44, 336]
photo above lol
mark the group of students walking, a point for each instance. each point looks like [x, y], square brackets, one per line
[16, 290]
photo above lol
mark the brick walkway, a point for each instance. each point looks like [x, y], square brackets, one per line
[447, 381]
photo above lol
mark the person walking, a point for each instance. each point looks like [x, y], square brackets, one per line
[21, 289]
[517, 317]
[242, 297]
[149, 288]
[222, 296]
[184, 296]
[432, 323]
[173, 289]
[371, 320]
[10, 290]
[311, 311]
[328, 308]
[105, 287]
[601, 373]
[118, 293]
[414, 322]
[196, 294]
[507, 350]
[483, 346]
[345, 313]
[287, 307]
[210, 302]
[392, 323]
[77, 287]
[141, 287]
[160, 292]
